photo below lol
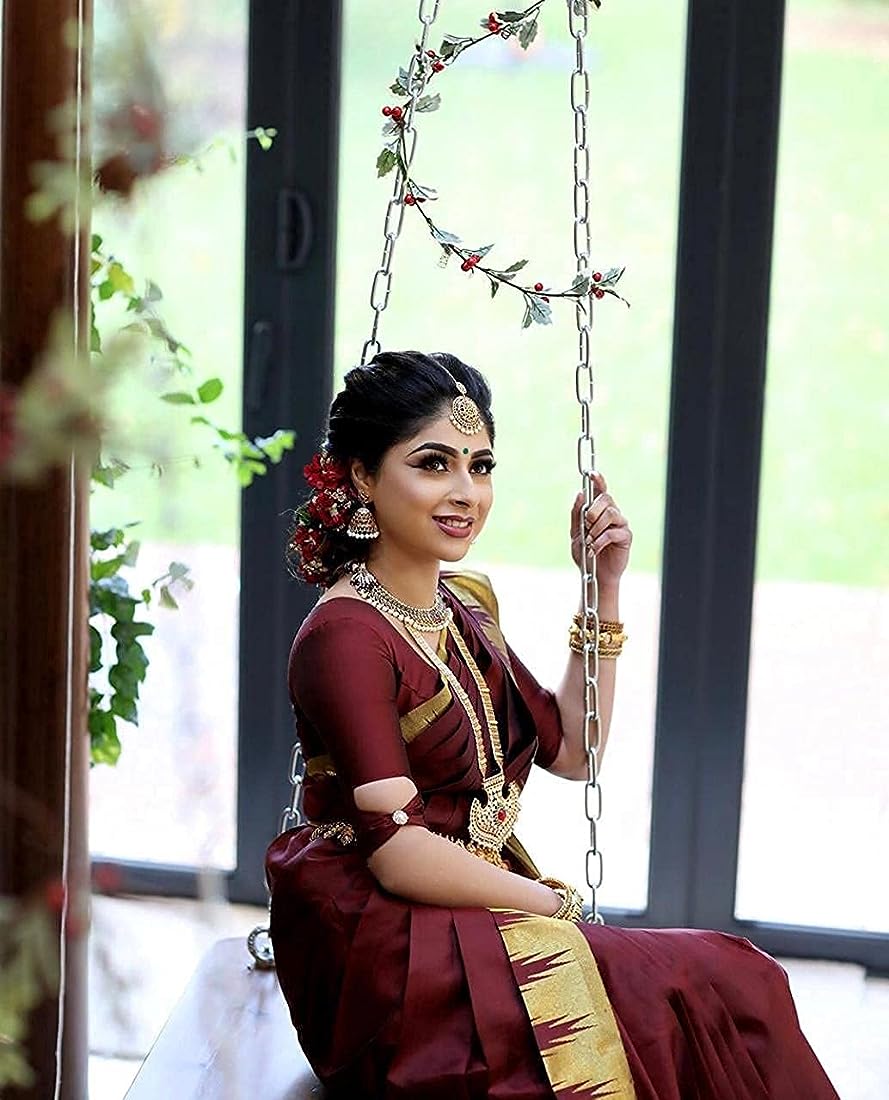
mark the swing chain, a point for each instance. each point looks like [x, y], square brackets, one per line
[417, 74]
[586, 452]
[259, 942]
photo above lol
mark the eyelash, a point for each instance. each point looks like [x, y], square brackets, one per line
[426, 464]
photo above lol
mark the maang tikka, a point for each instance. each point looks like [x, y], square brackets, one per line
[464, 415]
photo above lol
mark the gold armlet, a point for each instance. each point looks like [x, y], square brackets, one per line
[572, 902]
[610, 641]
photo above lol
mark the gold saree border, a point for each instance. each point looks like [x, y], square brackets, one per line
[568, 1006]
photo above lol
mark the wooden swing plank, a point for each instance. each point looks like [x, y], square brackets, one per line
[230, 1036]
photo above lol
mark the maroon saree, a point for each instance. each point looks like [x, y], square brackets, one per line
[404, 1001]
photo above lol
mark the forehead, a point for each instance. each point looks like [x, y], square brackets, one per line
[440, 430]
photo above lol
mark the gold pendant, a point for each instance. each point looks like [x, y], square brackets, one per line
[491, 823]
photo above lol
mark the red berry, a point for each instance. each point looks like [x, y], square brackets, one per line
[465, 266]
[387, 111]
[545, 298]
[437, 67]
[397, 113]
[597, 276]
[430, 53]
[538, 286]
[409, 200]
[599, 292]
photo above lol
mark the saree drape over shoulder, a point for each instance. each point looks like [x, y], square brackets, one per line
[399, 1000]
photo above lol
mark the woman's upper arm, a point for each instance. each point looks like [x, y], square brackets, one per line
[342, 676]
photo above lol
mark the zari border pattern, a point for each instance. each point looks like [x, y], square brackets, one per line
[568, 1006]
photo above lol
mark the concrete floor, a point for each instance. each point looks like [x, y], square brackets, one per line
[844, 1014]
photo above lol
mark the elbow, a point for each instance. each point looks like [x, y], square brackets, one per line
[390, 864]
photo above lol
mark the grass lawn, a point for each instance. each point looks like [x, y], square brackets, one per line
[500, 153]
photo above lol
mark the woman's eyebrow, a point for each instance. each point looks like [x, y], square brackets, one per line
[449, 450]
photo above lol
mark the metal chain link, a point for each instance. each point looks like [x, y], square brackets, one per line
[578, 26]
[417, 75]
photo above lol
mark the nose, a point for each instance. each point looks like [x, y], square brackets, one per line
[463, 489]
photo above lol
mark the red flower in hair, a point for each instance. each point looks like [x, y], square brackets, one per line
[330, 507]
[324, 472]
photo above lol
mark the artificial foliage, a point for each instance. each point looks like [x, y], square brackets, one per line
[431, 66]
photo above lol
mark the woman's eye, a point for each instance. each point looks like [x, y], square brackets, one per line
[439, 462]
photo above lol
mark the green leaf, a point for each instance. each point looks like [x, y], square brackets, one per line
[131, 554]
[540, 311]
[517, 266]
[581, 285]
[104, 742]
[102, 540]
[482, 252]
[124, 680]
[166, 599]
[179, 398]
[275, 445]
[127, 633]
[153, 292]
[96, 243]
[125, 707]
[397, 89]
[210, 390]
[146, 597]
[101, 569]
[495, 286]
[612, 275]
[121, 281]
[528, 33]
[386, 161]
[444, 236]
[509, 16]
[95, 649]
[178, 571]
[428, 103]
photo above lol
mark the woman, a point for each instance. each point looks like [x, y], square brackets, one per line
[420, 951]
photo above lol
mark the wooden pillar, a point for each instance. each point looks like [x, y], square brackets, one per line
[43, 548]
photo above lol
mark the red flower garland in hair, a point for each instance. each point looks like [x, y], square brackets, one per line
[328, 509]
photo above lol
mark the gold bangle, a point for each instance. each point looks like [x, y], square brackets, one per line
[610, 642]
[572, 903]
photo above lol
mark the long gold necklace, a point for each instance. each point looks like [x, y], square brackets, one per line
[490, 822]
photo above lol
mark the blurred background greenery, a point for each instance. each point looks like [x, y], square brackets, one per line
[499, 151]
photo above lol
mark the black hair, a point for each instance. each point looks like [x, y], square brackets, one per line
[381, 404]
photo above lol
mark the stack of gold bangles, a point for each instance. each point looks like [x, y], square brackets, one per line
[572, 902]
[611, 636]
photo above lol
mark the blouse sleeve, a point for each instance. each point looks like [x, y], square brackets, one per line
[544, 709]
[342, 677]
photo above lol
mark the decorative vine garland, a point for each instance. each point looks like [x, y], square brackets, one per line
[501, 24]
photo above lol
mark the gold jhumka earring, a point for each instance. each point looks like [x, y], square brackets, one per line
[362, 525]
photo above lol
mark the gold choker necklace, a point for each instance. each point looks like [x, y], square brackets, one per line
[426, 619]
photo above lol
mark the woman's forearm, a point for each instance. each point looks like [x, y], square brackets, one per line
[570, 697]
[422, 866]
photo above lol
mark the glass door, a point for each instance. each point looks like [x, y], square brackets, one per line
[815, 806]
[171, 797]
[500, 154]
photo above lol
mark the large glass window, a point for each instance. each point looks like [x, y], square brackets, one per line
[815, 803]
[171, 798]
[500, 153]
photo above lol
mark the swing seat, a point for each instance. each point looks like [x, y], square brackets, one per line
[230, 1035]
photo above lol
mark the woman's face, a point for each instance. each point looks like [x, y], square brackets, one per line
[432, 493]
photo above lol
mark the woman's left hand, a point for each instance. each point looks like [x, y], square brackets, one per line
[608, 534]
